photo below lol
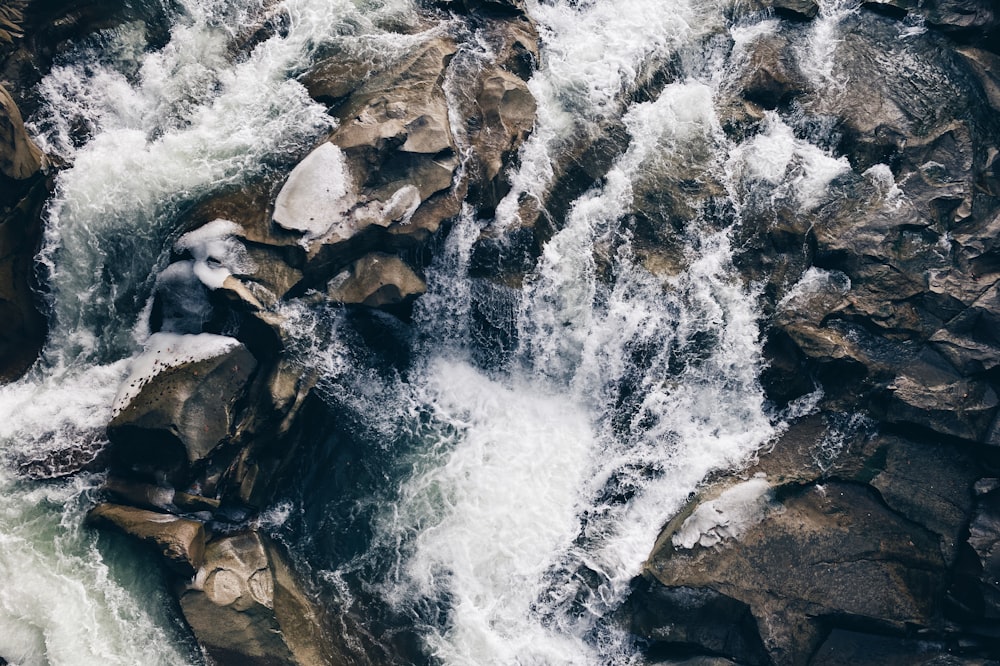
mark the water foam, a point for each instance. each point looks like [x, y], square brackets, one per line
[66, 601]
[145, 132]
[594, 52]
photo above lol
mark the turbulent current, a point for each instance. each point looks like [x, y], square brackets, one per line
[491, 503]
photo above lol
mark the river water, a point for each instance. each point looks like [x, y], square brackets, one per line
[489, 480]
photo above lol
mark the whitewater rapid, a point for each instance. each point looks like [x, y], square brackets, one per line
[162, 128]
[533, 484]
[518, 491]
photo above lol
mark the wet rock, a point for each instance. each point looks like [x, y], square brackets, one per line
[844, 647]
[180, 541]
[927, 483]
[500, 120]
[335, 76]
[22, 326]
[970, 340]
[682, 618]
[183, 411]
[979, 578]
[957, 408]
[142, 495]
[51, 28]
[800, 10]
[23, 191]
[20, 158]
[772, 78]
[812, 561]
[246, 607]
[507, 7]
[377, 280]
[384, 178]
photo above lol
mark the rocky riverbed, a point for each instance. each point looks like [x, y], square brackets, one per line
[848, 161]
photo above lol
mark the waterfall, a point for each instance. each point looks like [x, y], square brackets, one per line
[146, 132]
[504, 498]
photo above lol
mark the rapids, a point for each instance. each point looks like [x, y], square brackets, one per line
[507, 486]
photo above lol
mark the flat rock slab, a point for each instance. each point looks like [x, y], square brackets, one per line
[247, 609]
[180, 541]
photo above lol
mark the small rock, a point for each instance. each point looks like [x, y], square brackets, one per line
[377, 280]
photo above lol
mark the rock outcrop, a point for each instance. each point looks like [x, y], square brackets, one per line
[210, 421]
[176, 415]
[245, 607]
[23, 190]
[879, 544]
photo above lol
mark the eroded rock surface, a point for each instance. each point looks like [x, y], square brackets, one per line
[180, 541]
[879, 303]
[246, 608]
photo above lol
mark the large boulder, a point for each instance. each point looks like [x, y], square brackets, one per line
[180, 541]
[180, 401]
[385, 175]
[246, 608]
[809, 563]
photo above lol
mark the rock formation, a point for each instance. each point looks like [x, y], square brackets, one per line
[23, 190]
[877, 546]
[208, 423]
[869, 531]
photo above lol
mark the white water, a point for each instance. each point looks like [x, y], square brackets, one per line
[538, 495]
[535, 494]
[162, 128]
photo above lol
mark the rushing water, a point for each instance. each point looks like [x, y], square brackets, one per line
[509, 477]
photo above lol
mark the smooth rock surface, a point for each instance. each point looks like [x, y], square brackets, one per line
[179, 414]
[20, 158]
[180, 541]
[376, 280]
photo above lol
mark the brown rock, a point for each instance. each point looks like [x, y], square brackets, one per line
[180, 541]
[181, 413]
[20, 158]
[247, 609]
[812, 559]
[376, 280]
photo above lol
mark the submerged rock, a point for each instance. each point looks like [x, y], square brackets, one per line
[246, 609]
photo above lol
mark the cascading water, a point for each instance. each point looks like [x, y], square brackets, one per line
[161, 129]
[532, 486]
[497, 510]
